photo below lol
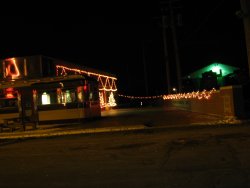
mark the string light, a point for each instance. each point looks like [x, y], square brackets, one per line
[102, 103]
[111, 102]
[193, 95]
[140, 97]
[107, 82]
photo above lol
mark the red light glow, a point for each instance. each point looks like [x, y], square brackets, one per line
[9, 93]
[85, 88]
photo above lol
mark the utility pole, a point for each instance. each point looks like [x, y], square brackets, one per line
[172, 26]
[144, 68]
[245, 15]
[176, 48]
[166, 55]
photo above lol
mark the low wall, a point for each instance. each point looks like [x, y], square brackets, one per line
[228, 101]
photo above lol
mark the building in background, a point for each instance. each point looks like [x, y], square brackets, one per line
[214, 75]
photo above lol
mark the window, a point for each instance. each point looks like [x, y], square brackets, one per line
[66, 96]
[45, 98]
[80, 94]
[4, 103]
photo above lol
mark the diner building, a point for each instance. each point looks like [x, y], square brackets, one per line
[36, 86]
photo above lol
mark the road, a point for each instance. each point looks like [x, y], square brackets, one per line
[213, 156]
[154, 117]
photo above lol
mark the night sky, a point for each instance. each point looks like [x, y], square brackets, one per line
[122, 39]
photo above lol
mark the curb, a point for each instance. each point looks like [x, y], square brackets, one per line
[73, 132]
[43, 133]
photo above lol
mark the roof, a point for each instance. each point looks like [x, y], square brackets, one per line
[68, 64]
[28, 83]
[214, 67]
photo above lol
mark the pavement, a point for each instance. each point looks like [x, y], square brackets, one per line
[51, 130]
[64, 129]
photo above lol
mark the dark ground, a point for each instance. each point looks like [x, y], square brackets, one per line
[212, 156]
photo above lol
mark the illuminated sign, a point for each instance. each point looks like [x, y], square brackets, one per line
[11, 69]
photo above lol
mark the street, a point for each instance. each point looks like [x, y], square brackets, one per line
[216, 156]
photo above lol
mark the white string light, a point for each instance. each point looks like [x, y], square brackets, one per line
[191, 95]
[107, 85]
[140, 97]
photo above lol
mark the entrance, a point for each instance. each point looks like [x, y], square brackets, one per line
[27, 107]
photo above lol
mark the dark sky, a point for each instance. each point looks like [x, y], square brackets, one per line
[122, 38]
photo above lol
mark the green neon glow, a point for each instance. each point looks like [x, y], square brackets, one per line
[216, 68]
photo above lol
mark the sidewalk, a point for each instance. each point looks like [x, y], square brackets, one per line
[113, 125]
[64, 129]
[74, 129]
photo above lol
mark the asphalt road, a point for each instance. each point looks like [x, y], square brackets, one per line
[215, 156]
[121, 120]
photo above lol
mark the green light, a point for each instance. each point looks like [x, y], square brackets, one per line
[220, 69]
[216, 69]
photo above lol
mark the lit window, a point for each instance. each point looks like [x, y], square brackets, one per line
[45, 98]
[79, 94]
[59, 96]
[90, 96]
[67, 96]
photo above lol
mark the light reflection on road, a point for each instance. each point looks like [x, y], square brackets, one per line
[129, 111]
[116, 112]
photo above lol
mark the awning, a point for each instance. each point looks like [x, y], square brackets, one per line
[44, 82]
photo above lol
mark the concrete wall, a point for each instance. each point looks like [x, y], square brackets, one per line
[228, 101]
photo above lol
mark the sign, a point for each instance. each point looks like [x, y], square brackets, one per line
[11, 69]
